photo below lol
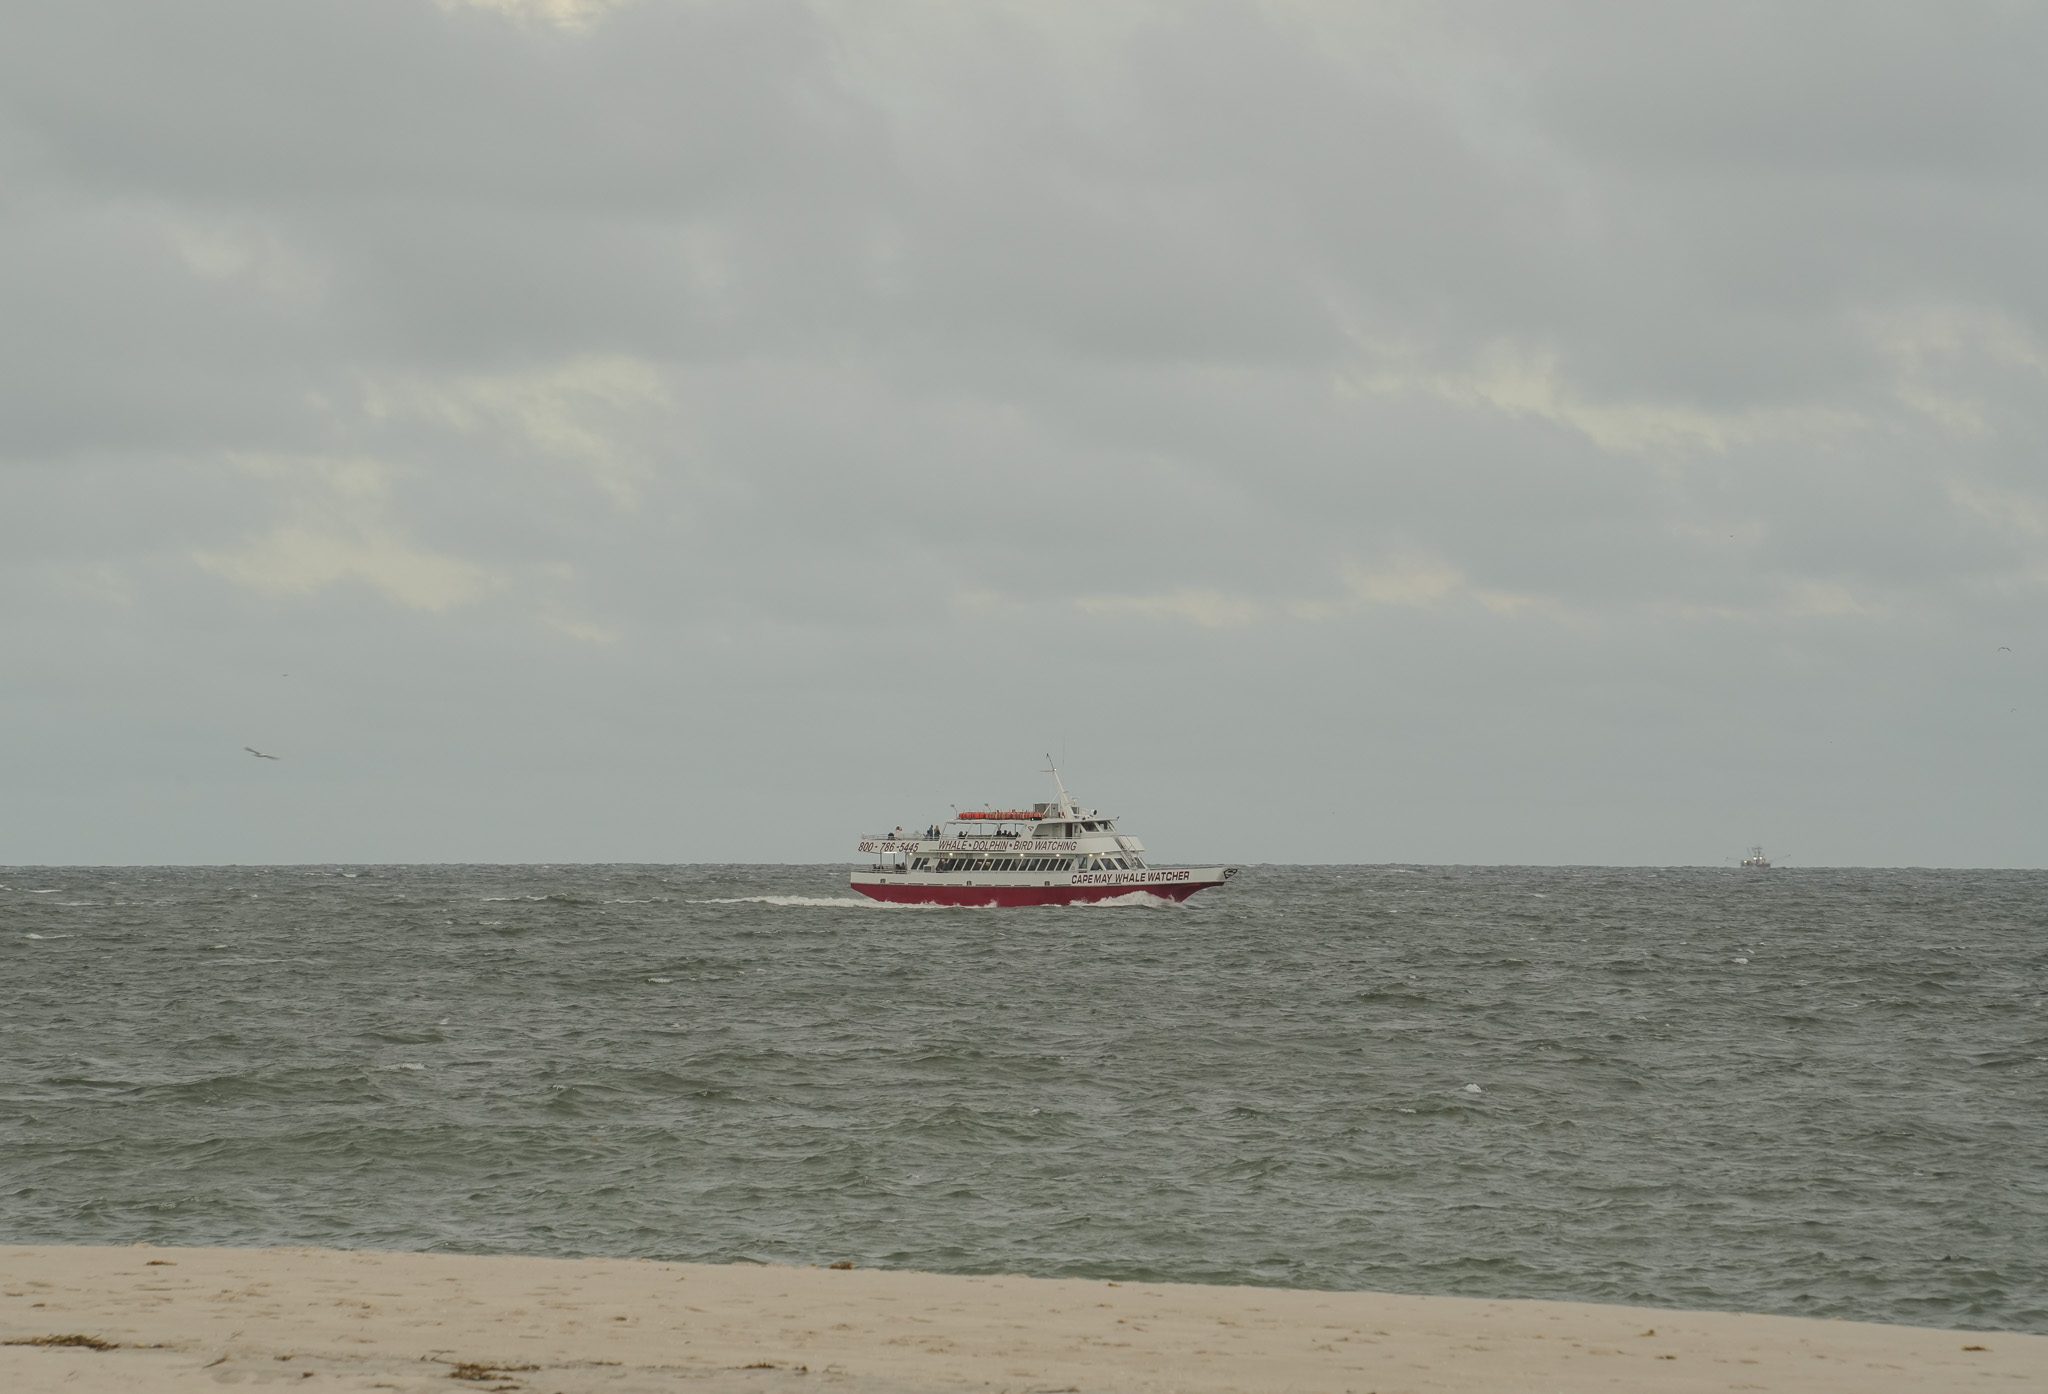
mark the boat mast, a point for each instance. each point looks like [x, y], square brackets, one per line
[1067, 809]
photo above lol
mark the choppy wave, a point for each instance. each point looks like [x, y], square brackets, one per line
[1486, 1081]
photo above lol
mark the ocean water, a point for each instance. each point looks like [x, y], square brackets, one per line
[1807, 1092]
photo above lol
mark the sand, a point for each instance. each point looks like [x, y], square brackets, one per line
[316, 1319]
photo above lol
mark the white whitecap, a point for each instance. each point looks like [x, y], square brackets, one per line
[858, 902]
[661, 980]
[1474, 1089]
[35, 936]
[1139, 898]
[1742, 960]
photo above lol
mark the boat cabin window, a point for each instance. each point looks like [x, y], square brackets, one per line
[998, 864]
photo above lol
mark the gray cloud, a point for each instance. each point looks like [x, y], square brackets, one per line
[680, 430]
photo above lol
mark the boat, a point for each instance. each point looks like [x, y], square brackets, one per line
[1048, 854]
[1756, 860]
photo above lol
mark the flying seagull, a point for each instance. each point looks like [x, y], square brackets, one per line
[260, 755]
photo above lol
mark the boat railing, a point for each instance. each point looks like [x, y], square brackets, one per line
[925, 835]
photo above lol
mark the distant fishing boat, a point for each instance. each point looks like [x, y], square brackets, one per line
[1756, 860]
[1048, 854]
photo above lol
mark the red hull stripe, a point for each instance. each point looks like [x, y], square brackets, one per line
[1020, 895]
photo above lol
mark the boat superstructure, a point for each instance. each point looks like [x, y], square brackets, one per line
[1756, 860]
[1048, 854]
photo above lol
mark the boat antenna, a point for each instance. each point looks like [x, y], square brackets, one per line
[1067, 809]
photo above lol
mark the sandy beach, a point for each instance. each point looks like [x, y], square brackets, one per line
[174, 1319]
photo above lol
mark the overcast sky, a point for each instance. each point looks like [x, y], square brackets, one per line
[681, 430]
